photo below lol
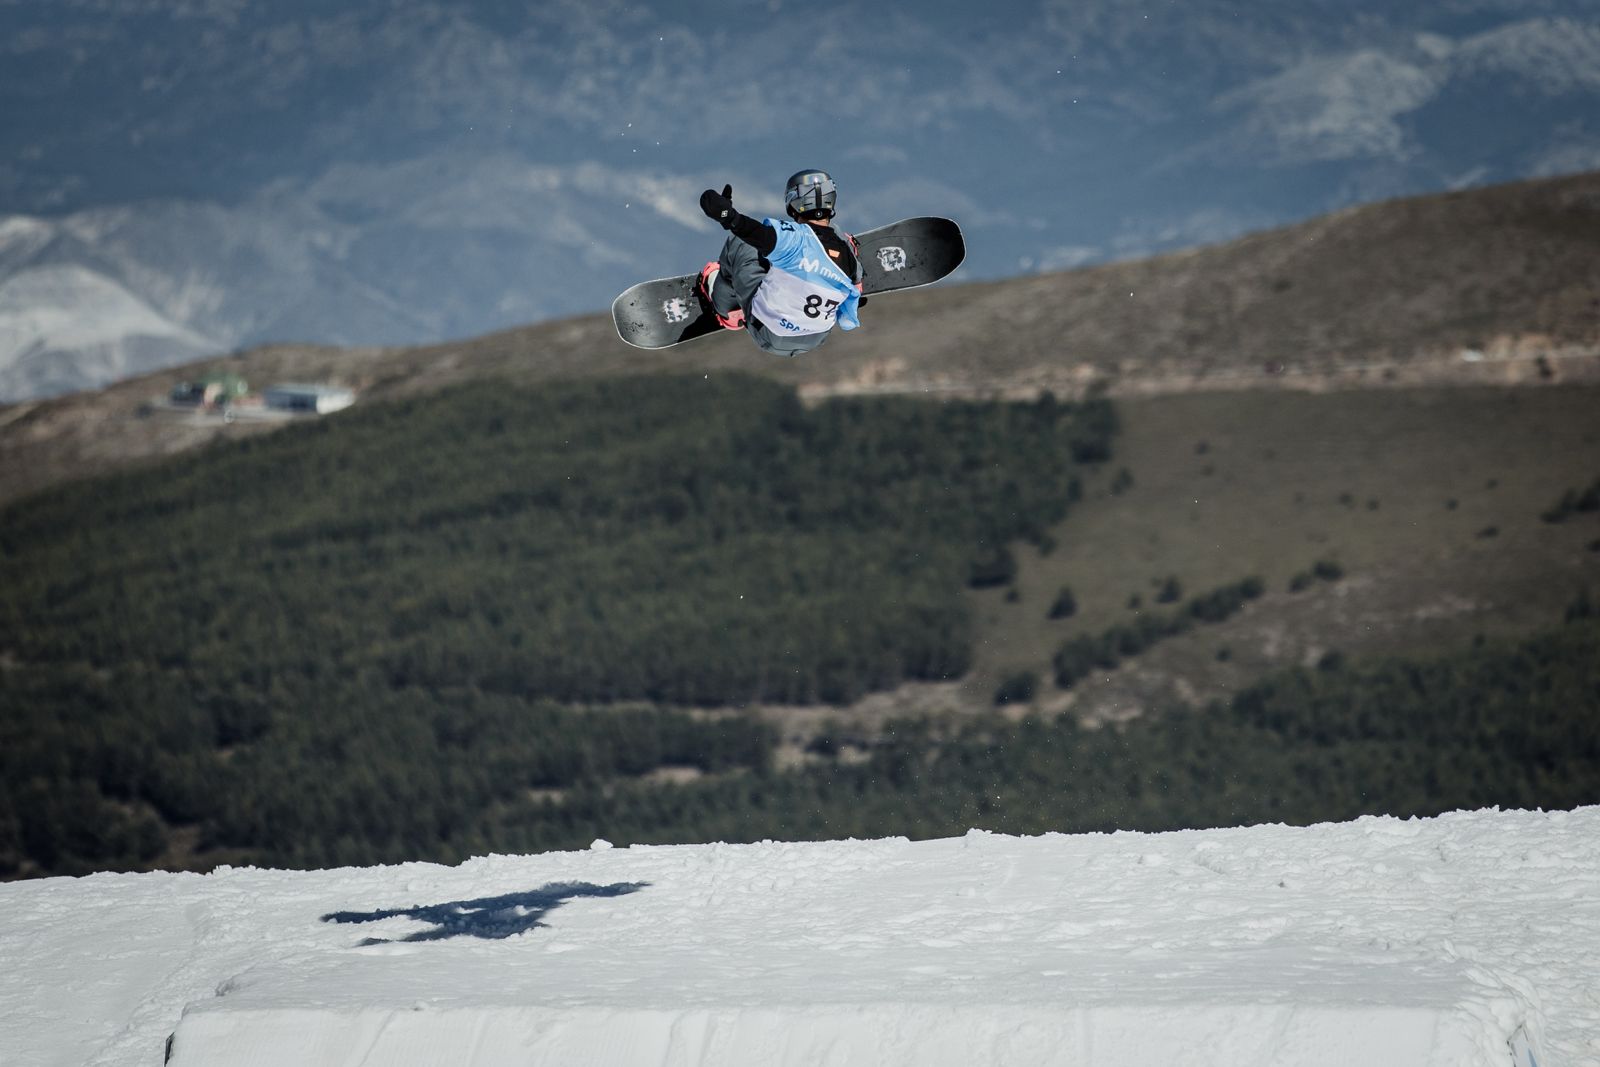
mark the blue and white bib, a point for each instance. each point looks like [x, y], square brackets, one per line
[805, 291]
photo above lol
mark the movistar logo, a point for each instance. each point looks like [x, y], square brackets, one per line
[820, 266]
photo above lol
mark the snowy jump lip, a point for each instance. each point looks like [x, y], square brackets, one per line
[957, 1000]
[800, 1035]
[1378, 941]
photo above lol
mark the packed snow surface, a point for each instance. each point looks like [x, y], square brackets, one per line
[1473, 938]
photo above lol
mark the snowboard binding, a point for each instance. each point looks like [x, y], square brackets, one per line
[734, 320]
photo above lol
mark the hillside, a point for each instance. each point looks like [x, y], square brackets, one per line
[1487, 286]
[531, 587]
[688, 608]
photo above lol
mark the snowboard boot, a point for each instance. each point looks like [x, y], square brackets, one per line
[733, 320]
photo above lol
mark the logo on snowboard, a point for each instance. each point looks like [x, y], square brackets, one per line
[677, 310]
[892, 258]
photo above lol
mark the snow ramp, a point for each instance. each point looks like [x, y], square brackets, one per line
[1465, 940]
[1419, 943]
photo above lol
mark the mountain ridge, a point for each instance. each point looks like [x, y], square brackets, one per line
[403, 172]
[1485, 286]
[65, 323]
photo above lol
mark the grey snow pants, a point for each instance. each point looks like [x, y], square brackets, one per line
[741, 271]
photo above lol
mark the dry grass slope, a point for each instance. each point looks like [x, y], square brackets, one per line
[1266, 428]
[1497, 285]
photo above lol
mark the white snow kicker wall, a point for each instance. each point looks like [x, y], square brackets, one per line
[1465, 940]
[1428, 1029]
[1365, 943]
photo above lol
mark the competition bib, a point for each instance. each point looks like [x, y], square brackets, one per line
[804, 292]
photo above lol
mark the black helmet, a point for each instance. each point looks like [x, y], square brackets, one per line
[810, 191]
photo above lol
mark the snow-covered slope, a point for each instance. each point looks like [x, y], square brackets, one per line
[1467, 939]
[66, 327]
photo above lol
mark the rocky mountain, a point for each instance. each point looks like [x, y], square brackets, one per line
[64, 326]
[364, 255]
[406, 171]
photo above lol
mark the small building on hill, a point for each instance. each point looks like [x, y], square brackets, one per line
[311, 399]
[213, 391]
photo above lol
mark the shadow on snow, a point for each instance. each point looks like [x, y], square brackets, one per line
[491, 918]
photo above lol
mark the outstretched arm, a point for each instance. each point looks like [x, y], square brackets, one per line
[719, 209]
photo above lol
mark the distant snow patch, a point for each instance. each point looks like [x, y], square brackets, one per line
[22, 235]
[66, 327]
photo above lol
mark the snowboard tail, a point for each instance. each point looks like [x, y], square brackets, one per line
[663, 313]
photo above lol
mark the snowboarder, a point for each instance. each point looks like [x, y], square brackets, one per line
[786, 282]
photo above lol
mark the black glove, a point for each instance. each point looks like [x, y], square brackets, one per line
[719, 206]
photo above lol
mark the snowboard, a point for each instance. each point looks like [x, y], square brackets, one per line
[901, 255]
